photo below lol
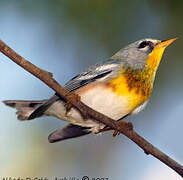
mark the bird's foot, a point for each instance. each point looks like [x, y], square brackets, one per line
[127, 125]
[70, 97]
[104, 130]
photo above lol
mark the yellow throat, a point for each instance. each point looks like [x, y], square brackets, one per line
[136, 86]
[155, 56]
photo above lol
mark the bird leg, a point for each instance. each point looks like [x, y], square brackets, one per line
[127, 125]
[104, 130]
[70, 97]
[68, 104]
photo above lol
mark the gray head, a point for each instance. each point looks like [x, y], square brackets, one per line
[137, 53]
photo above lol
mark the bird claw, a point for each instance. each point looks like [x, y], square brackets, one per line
[127, 125]
[69, 105]
[104, 129]
[70, 97]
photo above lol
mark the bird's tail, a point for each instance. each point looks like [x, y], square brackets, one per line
[24, 108]
[68, 132]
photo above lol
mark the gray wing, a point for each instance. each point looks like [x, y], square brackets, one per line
[101, 71]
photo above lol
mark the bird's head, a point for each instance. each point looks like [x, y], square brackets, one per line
[146, 52]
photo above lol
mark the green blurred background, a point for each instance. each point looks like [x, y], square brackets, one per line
[65, 37]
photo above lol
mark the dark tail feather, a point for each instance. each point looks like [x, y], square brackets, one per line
[28, 110]
[21, 103]
[39, 111]
[24, 108]
[69, 131]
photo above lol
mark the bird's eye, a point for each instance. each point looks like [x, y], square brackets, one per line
[143, 44]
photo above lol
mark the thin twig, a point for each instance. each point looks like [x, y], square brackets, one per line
[48, 79]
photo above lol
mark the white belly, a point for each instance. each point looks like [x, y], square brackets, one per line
[100, 99]
[106, 102]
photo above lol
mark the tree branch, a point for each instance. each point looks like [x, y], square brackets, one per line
[48, 79]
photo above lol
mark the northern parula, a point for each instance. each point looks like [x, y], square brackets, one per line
[118, 87]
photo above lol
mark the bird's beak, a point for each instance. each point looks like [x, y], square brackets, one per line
[165, 43]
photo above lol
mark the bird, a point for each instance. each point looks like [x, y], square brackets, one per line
[117, 87]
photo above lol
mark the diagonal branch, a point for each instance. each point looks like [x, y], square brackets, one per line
[48, 79]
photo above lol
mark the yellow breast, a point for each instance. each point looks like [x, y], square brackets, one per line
[135, 86]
